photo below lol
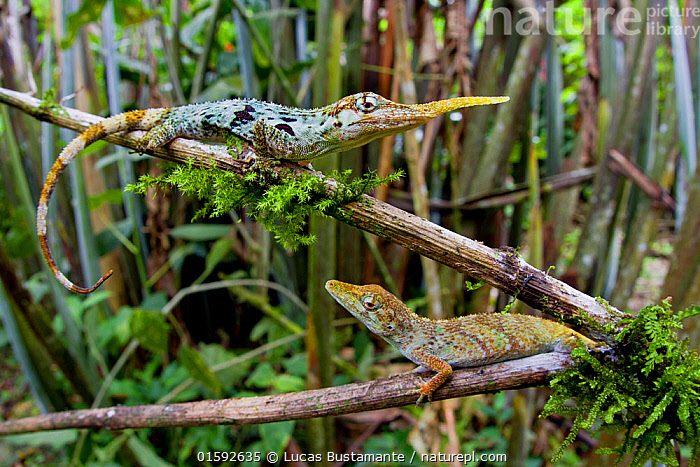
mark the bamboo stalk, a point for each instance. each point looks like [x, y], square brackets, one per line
[419, 188]
[203, 60]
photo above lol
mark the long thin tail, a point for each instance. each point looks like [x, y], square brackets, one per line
[134, 120]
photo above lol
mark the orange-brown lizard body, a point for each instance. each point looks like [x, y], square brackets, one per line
[471, 340]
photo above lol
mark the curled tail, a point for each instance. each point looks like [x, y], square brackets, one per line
[134, 120]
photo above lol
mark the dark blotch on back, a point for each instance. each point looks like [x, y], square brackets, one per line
[286, 128]
[249, 108]
[244, 115]
[289, 119]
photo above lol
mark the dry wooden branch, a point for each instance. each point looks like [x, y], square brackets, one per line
[622, 165]
[502, 268]
[394, 391]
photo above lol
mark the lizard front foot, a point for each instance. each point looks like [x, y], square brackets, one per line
[425, 391]
[423, 395]
[262, 166]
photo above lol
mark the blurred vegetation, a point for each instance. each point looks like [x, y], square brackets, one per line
[574, 98]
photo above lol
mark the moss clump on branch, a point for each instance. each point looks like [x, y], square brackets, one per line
[49, 104]
[649, 390]
[283, 207]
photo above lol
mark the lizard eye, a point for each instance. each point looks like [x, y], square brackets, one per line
[366, 103]
[370, 303]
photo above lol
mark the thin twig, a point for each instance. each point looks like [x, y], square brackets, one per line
[394, 391]
[623, 166]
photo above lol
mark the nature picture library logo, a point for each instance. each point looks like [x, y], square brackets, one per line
[626, 21]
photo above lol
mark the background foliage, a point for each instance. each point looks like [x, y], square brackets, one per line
[535, 174]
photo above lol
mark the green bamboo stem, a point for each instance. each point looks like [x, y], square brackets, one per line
[203, 59]
[265, 51]
[419, 188]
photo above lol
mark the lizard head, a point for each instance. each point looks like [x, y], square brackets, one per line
[360, 118]
[371, 304]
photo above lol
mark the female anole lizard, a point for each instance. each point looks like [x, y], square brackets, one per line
[274, 131]
[470, 340]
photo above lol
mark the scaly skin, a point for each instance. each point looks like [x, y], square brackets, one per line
[275, 132]
[471, 340]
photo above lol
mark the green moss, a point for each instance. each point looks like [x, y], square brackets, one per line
[648, 389]
[234, 145]
[49, 104]
[283, 207]
[473, 286]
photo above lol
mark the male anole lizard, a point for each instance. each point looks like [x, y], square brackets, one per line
[470, 340]
[274, 131]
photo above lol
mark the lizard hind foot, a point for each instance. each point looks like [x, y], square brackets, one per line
[160, 135]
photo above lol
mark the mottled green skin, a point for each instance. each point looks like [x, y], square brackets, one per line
[274, 131]
[471, 340]
[280, 132]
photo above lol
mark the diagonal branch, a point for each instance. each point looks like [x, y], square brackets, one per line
[394, 391]
[502, 268]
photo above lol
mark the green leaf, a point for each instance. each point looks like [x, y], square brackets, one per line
[55, 439]
[216, 254]
[110, 196]
[117, 326]
[222, 88]
[88, 12]
[276, 436]
[145, 454]
[150, 328]
[200, 232]
[473, 286]
[288, 383]
[198, 369]
[95, 298]
[155, 301]
[15, 234]
[297, 364]
[107, 242]
[95, 147]
[263, 327]
[554, 110]
[263, 376]
[127, 13]
[364, 354]
[214, 354]
[195, 26]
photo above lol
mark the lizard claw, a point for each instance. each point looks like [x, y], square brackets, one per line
[262, 167]
[424, 392]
